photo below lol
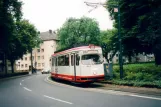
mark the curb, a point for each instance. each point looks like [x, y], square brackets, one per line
[110, 89]
[144, 92]
[12, 77]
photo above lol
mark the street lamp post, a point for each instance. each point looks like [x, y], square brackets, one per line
[120, 44]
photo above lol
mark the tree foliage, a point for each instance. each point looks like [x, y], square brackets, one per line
[108, 41]
[140, 26]
[25, 37]
[17, 36]
[78, 31]
[10, 11]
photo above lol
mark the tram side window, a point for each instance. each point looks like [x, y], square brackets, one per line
[56, 64]
[77, 59]
[66, 60]
[53, 61]
[61, 61]
[72, 61]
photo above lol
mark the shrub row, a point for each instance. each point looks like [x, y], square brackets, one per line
[154, 84]
[146, 72]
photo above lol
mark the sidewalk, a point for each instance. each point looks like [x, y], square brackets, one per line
[14, 76]
[139, 90]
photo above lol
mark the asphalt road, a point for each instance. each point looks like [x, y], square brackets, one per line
[34, 91]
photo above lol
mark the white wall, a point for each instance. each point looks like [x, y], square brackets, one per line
[49, 48]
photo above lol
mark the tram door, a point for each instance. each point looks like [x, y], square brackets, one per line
[73, 66]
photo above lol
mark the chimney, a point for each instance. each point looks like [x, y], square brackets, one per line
[50, 31]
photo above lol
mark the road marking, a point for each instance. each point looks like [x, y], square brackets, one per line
[20, 84]
[57, 99]
[22, 80]
[27, 89]
[154, 98]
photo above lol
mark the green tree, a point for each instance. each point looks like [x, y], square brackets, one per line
[25, 37]
[78, 31]
[108, 41]
[10, 11]
[140, 26]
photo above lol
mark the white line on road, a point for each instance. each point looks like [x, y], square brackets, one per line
[27, 89]
[20, 84]
[58, 99]
[154, 98]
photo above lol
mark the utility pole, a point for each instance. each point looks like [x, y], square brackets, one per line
[120, 44]
[116, 9]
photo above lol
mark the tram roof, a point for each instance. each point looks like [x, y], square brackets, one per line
[73, 49]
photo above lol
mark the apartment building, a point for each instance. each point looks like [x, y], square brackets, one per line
[41, 56]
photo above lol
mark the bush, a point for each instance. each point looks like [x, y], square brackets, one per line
[139, 72]
[154, 84]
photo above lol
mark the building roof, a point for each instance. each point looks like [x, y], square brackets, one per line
[49, 35]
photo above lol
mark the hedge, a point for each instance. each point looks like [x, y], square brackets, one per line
[146, 72]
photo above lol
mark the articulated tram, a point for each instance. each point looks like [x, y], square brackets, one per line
[82, 64]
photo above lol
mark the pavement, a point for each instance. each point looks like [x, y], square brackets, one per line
[138, 90]
[38, 91]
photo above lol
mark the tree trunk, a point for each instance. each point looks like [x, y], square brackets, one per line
[129, 58]
[5, 64]
[12, 65]
[157, 55]
[31, 62]
[106, 56]
[157, 51]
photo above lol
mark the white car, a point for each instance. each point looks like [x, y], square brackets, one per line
[46, 71]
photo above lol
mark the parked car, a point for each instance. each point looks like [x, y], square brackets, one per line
[46, 70]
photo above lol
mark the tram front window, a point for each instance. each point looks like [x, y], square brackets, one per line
[91, 59]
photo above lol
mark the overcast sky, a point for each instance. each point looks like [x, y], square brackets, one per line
[51, 14]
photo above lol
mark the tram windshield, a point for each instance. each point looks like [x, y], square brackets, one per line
[92, 59]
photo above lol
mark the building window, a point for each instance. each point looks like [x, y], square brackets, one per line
[117, 55]
[21, 65]
[43, 57]
[42, 64]
[42, 50]
[38, 50]
[39, 64]
[25, 58]
[38, 57]
[26, 65]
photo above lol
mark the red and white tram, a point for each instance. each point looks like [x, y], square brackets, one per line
[82, 64]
